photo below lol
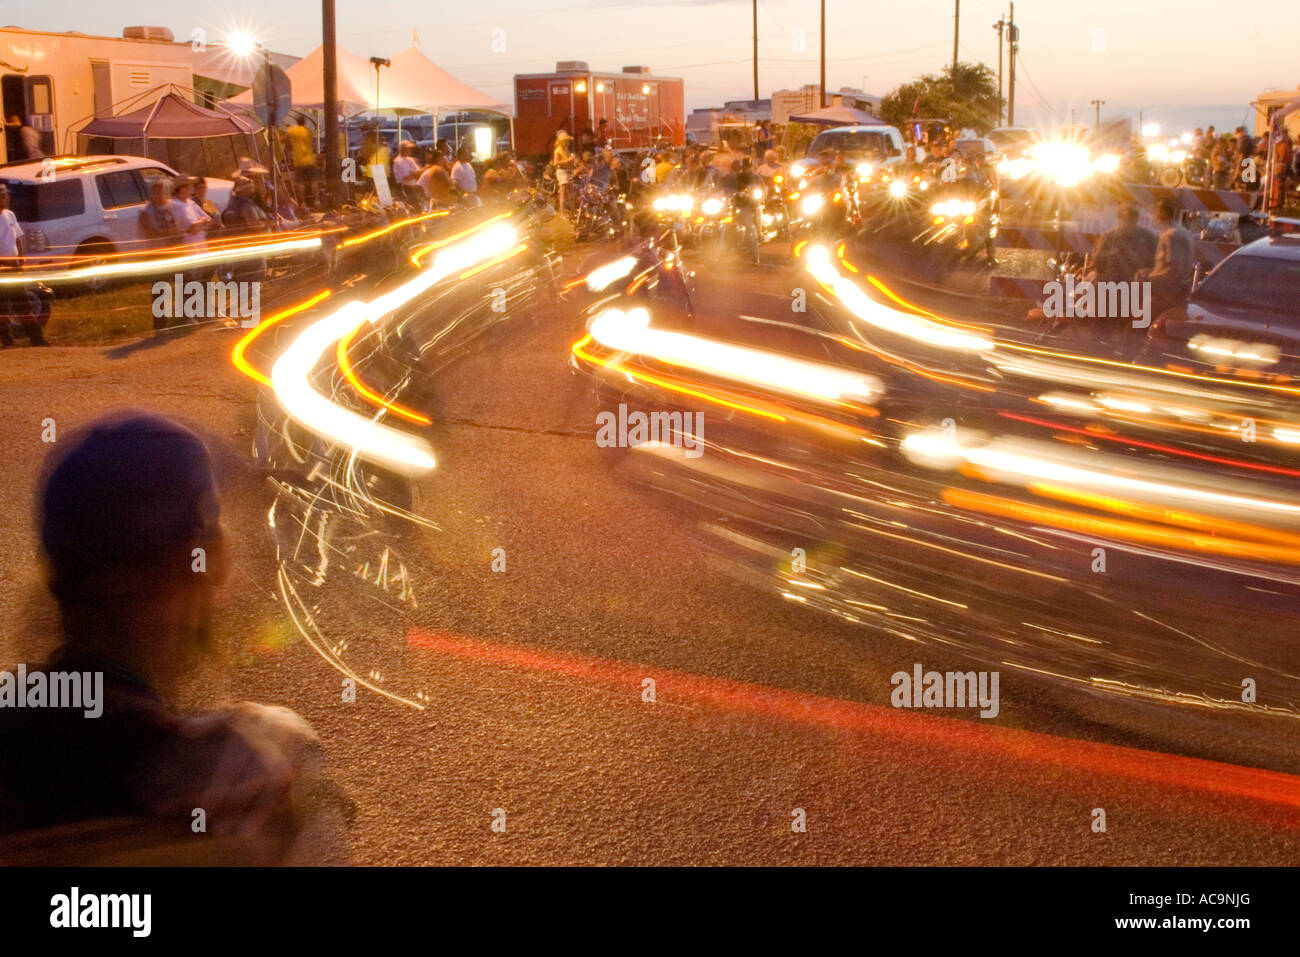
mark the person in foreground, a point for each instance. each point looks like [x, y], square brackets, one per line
[128, 521]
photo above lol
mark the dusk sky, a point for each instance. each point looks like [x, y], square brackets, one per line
[1131, 53]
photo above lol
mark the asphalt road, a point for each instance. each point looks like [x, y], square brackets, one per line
[535, 677]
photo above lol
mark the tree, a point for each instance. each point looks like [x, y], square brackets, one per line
[966, 96]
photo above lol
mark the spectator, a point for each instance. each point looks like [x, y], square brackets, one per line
[462, 174]
[1246, 175]
[563, 160]
[663, 168]
[243, 214]
[587, 140]
[406, 171]
[191, 221]
[29, 141]
[435, 181]
[1175, 262]
[1124, 250]
[762, 139]
[1221, 159]
[305, 174]
[157, 220]
[602, 133]
[14, 300]
[123, 509]
[201, 198]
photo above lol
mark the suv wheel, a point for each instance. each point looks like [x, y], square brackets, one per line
[100, 250]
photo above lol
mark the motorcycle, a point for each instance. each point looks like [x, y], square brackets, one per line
[824, 203]
[601, 212]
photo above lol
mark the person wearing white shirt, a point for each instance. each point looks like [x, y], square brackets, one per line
[11, 234]
[462, 174]
[406, 169]
[14, 300]
[190, 217]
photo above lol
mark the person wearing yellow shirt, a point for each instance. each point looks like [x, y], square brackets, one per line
[663, 167]
[303, 156]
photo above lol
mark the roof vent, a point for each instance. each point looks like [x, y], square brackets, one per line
[148, 33]
[572, 66]
[645, 70]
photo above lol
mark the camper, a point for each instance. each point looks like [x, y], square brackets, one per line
[54, 82]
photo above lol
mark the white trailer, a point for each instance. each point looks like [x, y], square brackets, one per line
[52, 82]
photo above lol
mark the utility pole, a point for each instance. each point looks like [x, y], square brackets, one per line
[823, 80]
[1001, 27]
[333, 176]
[756, 49]
[1013, 37]
[956, 30]
[1098, 104]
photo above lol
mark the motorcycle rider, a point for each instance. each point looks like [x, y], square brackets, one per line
[740, 183]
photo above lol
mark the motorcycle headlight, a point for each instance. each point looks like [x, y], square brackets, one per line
[661, 204]
[898, 189]
[1179, 156]
[968, 209]
[711, 206]
[684, 204]
[865, 170]
[757, 193]
[811, 203]
[798, 169]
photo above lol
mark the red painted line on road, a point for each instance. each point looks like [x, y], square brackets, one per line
[1273, 797]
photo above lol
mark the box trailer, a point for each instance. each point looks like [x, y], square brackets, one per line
[641, 110]
[53, 81]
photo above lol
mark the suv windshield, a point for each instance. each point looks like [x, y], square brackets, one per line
[1255, 282]
[39, 202]
[862, 141]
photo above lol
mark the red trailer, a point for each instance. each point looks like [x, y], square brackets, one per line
[642, 110]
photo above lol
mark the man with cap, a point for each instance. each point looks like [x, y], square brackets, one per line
[190, 218]
[244, 215]
[128, 518]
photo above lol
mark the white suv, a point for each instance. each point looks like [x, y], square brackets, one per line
[87, 205]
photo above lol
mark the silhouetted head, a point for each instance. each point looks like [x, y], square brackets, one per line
[129, 524]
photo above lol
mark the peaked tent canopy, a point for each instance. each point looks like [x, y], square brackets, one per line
[356, 85]
[170, 117]
[838, 116]
[432, 87]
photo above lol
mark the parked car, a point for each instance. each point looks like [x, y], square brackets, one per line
[87, 205]
[1244, 315]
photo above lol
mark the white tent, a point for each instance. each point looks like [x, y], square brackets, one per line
[422, 82]
[356, 85]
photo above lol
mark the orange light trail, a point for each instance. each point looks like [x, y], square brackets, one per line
[385, 230]
[1131, 531]
[237, 353]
